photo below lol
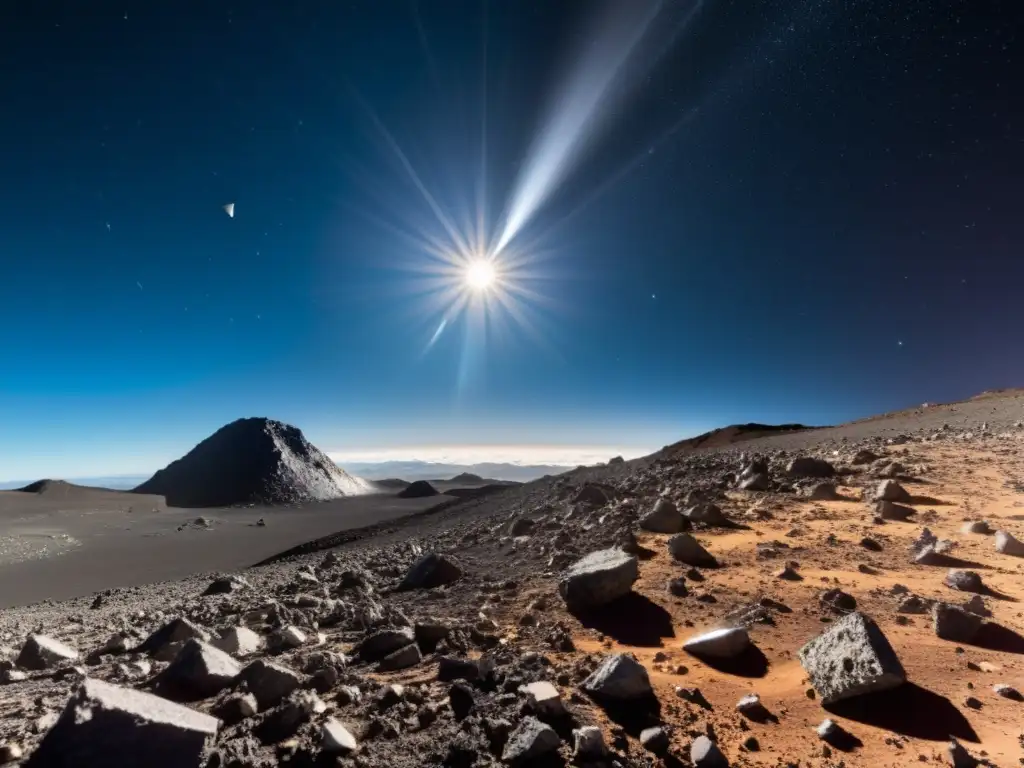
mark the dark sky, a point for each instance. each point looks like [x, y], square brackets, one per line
[800, 210]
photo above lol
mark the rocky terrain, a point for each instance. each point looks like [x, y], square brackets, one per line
[252, 461]
[843, 596]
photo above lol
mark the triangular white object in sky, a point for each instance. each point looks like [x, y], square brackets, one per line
[229, 209]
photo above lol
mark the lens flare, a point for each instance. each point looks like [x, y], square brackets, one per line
[480, 275]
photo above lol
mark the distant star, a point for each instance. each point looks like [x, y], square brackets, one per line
[108, 226]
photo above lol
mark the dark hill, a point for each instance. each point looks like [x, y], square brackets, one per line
[392, 483]
[466, 477]
[736, 433]
[252, 461]
[418, 490]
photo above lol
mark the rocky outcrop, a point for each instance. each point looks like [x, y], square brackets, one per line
[252, 461]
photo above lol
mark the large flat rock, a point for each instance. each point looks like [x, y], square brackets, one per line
[105, 724]
[851, 658]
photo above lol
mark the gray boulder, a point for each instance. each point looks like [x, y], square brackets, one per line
[654, 739]
[403, 658]
[823, 492]
[431, 570]
[704, 753]
[588, 743]
[977, 526]
[888, 510]
[953, 623]
[686, 549]
[269, 682]
[850, 658]
[719, 644]
[1006, 544]
[197, 672]
[663, 518]
[808, 466]
[335, 738]
[890, 490]
[240, 641]
[530, 741]
[965, 581]
[378, 645]
[170, 636]
[42, 652]
[104, 724]
[708, 514]
[620, 677]
[754, 481]
[598, 578]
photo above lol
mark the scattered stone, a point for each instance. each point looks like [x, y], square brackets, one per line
[888, 510]
[105, 724]
[530, 741]
[719, 644]
[521, 526]
[592, 495]
[269, 682]
[663, 518]
[704, 753]
[965, 581]
[226, 585]
[545, 700]
[708, 514]
[403, 658]
[239, 641]
[789, 574]
[838, 601]
[619, 677]
[828, 730]
[870, 544]
[953, 623]
[1007, 692]
[10, 752]
[850, 658]
[588, 743]
[42, 652]
[976, 526]
[1006, 544]
[378, 645]
[654, 739]
[686, 549]
[913, 604]
[807, 466]
[976, 605]
[461, 699]
[166, 641]
[755, 481]
[823, 492]
[890, 490]
[449, 669]
[197, 672]
[751, 706]
[864, 456]
[236, 708]
[677, 587]
[430, 571]
[336, 738]
[598, 578]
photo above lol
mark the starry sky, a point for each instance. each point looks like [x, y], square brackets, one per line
[789, 210]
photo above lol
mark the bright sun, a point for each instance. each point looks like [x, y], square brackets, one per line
[480, 276]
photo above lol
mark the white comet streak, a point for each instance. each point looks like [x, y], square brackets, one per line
[571, 124]
[437, 333]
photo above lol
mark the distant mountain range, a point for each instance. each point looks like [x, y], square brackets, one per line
[428, 470]
[405, 470]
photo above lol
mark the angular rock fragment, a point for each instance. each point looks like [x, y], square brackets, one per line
[588, 743]
[240, 641]
[336, 738]
[654, 739]
[236, 708]
[1006, 544]
[838, 601]
[544, 699]
[598, 578]
[449, 669]
[403, 658]
[1007, 692]
[430, 571]
[863, 456]
[378, 645]
[913, 604]
[888, 510]
[704, 753]
[823, 492]
[708, 514]
[104, 724]
[754, 481]
[42, 652]
[976, 526]
[269, 682]
[225, 585]
[663, 518]
[530, 741]
[619, 677]
[851, 658]
[724, 643]
[197, 672]
[686, 549]
[953, 623]
[965, 581]
[170, 634]
[960, 757]
[808, 466]
[890, 490]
